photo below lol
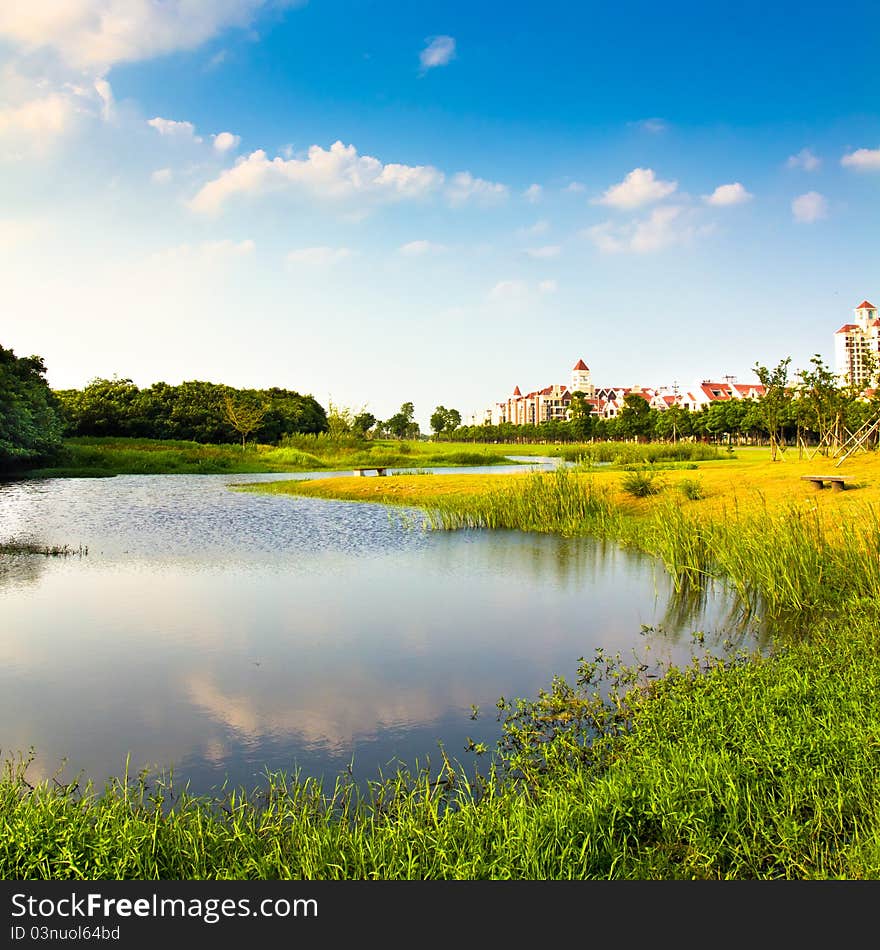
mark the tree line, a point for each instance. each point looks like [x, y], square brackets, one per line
[810, 408]
[194, 411]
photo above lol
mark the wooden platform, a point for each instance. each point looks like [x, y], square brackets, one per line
[837, 482]
[378, 471]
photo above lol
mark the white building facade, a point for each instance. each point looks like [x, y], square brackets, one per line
[857, 347]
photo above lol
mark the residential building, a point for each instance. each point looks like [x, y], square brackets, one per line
[857, 347]
[554, 402]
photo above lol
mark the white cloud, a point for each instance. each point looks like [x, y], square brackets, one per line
[862, 159]
[539, 227]
[105, 93]
[336, 173]
[439, 51]
[804, 159]
[224, 141]
[664, 227]
[809, 207]
[519, 291]
[542, 253]
[509, 290]
[38, 120]
[533, 194]
[655, 126]
[464, 187]
[575, 187]
[419, 248]
[318, 256]
[724, 195]
[172, 129]
[15, 232]
[95, 34]
[162, 176]
[207, 253]
[640, 187]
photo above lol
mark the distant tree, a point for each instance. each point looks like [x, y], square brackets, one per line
[582, 417]
[364, 421]
[243, 416]
[774, 403]
[824, 400]
[445, 420]
[340, 421]
[674, 423]
[635, 417]
[439, 420]
[103, 407]
[31, 425]
[401, 425]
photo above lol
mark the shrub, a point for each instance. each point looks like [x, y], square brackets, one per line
[640, 483]
[691, 488]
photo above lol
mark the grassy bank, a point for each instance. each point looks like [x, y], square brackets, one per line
[85, 457]
[750, 767]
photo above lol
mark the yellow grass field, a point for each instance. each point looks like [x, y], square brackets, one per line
[748, 481]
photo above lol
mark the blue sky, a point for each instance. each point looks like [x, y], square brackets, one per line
[386, 202]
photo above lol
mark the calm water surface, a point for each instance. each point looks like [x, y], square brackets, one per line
[221, 633]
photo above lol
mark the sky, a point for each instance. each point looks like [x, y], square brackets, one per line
[386, 202]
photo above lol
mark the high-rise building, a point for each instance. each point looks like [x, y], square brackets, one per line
[857, 347]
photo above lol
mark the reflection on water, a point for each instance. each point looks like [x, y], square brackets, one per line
[221, 632]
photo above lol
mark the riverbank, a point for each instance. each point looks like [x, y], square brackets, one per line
[101, 457]
[749, 767]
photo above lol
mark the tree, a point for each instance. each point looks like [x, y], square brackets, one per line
[30, 418]
[774, 403]
[445, 420]
[635, 417]
[340, 421]
[244, 417]
[364, 421]
[401, 424]
[438, 420]
[821, 393]
[582, 418]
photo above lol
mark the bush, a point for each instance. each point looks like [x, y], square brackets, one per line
[640, 483]
[691, 488]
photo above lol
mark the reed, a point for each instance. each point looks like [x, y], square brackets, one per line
[629, 453]
[559, 501]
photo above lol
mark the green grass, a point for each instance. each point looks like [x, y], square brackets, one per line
[85, 457]
[628, 453]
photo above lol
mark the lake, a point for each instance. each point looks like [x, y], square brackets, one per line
[220, 633]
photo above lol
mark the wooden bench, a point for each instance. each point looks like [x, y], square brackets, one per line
[379, 471]
[837, 482]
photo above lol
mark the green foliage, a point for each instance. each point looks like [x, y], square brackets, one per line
[191, 411]
[445, 420]
[30, 422]
[629, 453]
[636, 419]
[640, 483]
[691, 488]
[402, 425]
[775, 402]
